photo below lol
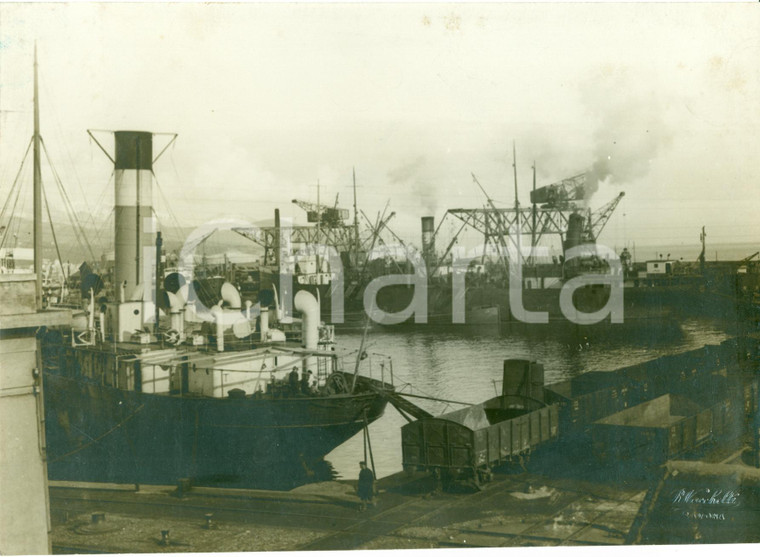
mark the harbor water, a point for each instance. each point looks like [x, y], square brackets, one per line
[465, 365]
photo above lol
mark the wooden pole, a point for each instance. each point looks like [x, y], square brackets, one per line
[369, 444]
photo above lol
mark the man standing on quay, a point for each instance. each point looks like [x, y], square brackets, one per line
[366, 486]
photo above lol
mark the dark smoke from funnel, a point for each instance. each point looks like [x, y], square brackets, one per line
[598, 173]
[629, 136]
[411, 176]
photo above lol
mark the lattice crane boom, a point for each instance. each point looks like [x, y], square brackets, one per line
[323, 214]
[599, 218]
[495, 222]
[561, 195]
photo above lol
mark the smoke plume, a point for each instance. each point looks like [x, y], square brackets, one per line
[628, 138]
[412, 177]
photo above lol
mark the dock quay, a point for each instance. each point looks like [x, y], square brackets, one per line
[535, 505]
[513, 510]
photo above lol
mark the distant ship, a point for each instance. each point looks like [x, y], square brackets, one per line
[721, 290]
[484, 299]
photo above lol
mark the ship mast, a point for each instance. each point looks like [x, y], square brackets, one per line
[319, 233]
[356, 225]
[517, 202]
[514, 167]
[37, 191]
[533, 228]
[138, 237]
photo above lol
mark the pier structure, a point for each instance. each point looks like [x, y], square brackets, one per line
[545, 506]
[24, 516]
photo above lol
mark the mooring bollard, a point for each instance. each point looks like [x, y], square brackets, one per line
[183, 486]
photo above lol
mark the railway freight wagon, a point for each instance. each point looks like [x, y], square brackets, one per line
[467, 443]
[663, 428]
[705, 375]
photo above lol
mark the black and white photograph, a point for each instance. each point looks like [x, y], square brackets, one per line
[379, 276]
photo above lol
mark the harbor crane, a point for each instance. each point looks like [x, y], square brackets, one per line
[561, 195]
[492, 221]
[599, 218]
[330, 217]
[558, 201]
[268, 237]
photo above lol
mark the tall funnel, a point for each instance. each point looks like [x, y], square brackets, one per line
[574, 235]
[428, 239]
[133, 182]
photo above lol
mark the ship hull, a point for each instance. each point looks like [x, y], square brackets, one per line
[104, 434]
[651, 312]
[698, 300]
[490, 305]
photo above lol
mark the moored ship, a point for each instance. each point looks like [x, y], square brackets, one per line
[121, 413]
[140, 391]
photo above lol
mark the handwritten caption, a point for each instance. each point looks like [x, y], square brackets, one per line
[718, 502]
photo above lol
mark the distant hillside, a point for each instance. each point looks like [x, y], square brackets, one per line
[73, 246]
[100, 238]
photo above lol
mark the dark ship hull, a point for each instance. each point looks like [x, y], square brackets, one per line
[657, 304]
[105, 434]
[701, 299]
[489, 305]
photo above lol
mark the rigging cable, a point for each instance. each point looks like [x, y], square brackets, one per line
[179, 180]
[106, 189]
[107, 220]
[68, 154]
[18, 219]
[100, 437]
[76, 225]
[168, 207]
[78, 228]
[10, 194]
[14, 225]
[11, 128]
[79, 233]
[55, 240]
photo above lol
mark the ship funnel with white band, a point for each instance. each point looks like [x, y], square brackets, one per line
[133, 211]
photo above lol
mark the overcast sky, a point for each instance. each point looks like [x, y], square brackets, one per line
[269, 99]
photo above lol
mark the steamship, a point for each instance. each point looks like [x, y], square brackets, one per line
[483, 297]
[410, 296]
[152, 385]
